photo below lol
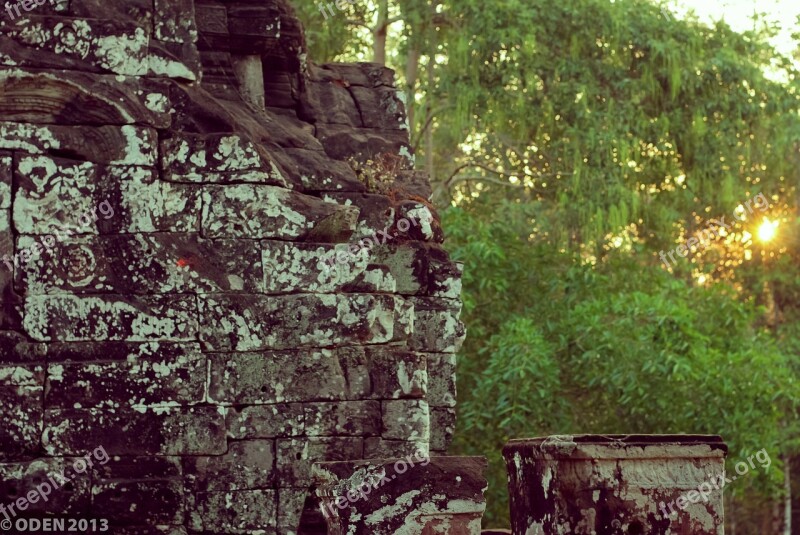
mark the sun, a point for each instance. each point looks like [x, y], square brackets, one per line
[767, 230]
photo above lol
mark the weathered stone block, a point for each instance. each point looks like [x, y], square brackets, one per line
[357, 74]
[8, 298]
[212, 20]
[248, 464]
[173, 21]
[295, 456]
[65, 499]
[343, 418]
[75, 352]
[408, 264]
[116, 317]
[355, 366]
[380, 107]
[441, 379]
[443, 427]
[381, 448]
[343, 141]
[276, 377]
[140, 11]
[329, 103]
[396, 373]
[245, 323]
[196, 430]
[265, 421]
[256, 211]
[21, 411]
[115, 145]
[141, 206]
[216, 158]
[139, 490]
[254, 29]
[66, 198]
[290, 508]
[142, 264]
[76, 44]
[316, 172]
[445, 275]
[415, 495]
[429, 229]
[290, 132]
[376, 214]
[437, 327]
[321, 268]
[17, 349]
[406, 419]
[74, 98]
[588, 484]
[236, 512]
[6, 163]
[53, 194]
[140, 380]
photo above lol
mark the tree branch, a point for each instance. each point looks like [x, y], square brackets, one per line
[359, 23]
[484, 179]
[453, 179]
[429, 119]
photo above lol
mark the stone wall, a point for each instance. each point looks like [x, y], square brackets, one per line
[175, 178]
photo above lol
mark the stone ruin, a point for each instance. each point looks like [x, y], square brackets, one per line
[226, 308]
[183, 196]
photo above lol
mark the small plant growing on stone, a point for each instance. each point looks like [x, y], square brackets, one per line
[378, 173]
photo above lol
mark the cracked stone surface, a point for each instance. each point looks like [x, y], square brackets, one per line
[616, 484]
[183, 274]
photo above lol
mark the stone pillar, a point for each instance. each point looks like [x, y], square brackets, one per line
[414, 495]
[250, 75]
[617, 484]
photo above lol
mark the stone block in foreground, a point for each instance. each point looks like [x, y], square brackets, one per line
[414, 495]
[616, 484]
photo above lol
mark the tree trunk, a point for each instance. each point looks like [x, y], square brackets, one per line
[412, 68]
[787, 499]
[429, 131]
[379, 33]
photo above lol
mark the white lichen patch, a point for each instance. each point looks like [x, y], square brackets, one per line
[252, 211]
[157, 102]
[422, 215]
[169, 68]
[141, 146]
[159, 206]
[123, 53]
[27, 137]
[236, 154]
[75, 318]
[20, 375]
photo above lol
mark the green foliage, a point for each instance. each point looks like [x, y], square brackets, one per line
[575, 140]
[566, 347]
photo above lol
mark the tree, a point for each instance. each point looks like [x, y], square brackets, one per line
[576, 140]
